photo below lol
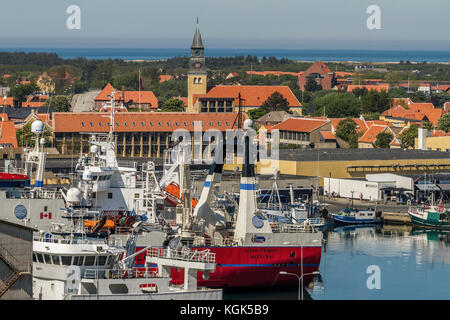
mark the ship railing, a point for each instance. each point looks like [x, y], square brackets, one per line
[119, 273]
[212, 242]
[126, 164]
[290, 228]
[184, 255]
[69, 241]
[42, 194]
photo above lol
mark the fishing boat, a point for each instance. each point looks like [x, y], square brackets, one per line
[80, 266]
[34, 205]
[430, 216]
[349, 216]
[250, 249]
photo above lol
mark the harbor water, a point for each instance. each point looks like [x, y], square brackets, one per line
[408, 263]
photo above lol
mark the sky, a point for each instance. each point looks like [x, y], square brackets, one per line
[257, 24]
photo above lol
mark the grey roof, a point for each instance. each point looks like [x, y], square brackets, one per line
[197, 42]
[16, 225]
[358, 154]
[23, 113]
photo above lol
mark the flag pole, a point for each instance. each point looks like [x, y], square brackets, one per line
[140, 84]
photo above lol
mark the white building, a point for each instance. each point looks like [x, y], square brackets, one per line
[375, 188]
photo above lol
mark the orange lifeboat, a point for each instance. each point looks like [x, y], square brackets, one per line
[173, 195]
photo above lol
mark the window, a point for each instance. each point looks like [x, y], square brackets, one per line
[78, 260]
[176, 123]
[91, 124]
[47, 258]
[66, 260]
[117, 124]
[82, 124]
[110, 195]
[126, 125]
[159, 123]
[34, 257]
[168, 123]
[102, 260]
[55, 260]
[89, 260]
[108, 261]
[151, 123]
[143, 123]
[134, 123]
[136, 195]
[100, 124]
[45, 208]
[39, 257]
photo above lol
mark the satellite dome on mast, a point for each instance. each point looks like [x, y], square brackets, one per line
[37, 127]
[248, 124]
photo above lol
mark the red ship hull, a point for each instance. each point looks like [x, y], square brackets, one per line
[256, 266]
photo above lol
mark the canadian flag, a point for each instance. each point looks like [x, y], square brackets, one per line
[45, 215]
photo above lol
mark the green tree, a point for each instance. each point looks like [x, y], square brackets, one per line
[353, 139]
[408, 136]
[444, 122]
[173, 105]
[257, 113]
[375, 101]
[21, 91]
[311, 85]
[428, 125]
[337, 105]
[275, 102]
[383, 140]
[346, 128]
[60, 103]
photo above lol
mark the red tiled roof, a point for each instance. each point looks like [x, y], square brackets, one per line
[341, 74]
[165, 77]
[360, 124]
[378, 87]
[8, 134]
[439, 133]
[254, 96]
[299, 124]
[416, 111]
[274, 73]
[328, 135]
[140, 121]
[9, 101]
[371, 135]
[318, 65]
[27, 104]
[147, 97]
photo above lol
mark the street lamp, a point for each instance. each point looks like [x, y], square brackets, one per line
[300, 280]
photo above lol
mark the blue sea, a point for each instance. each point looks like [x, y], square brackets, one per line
[413, 264]
[296, 55]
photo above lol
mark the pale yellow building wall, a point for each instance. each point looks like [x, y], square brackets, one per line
[338, 169]
[436, 143]
[195, 88]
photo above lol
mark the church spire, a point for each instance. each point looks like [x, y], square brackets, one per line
[197, 42]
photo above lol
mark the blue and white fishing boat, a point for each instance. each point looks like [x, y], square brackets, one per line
[354, 216]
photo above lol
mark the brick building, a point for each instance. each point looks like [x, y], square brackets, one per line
[319, 72]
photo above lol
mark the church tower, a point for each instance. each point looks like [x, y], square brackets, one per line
[197, 75]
